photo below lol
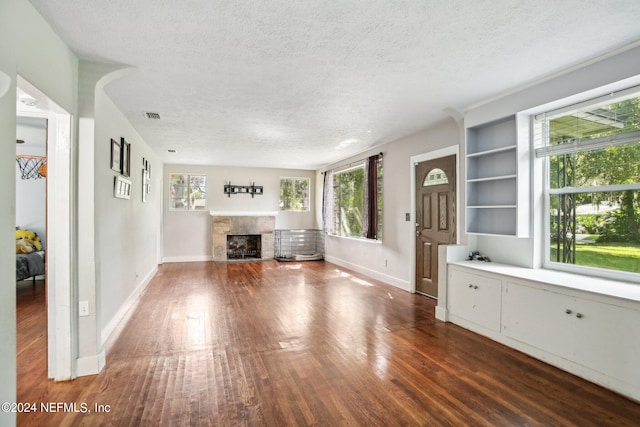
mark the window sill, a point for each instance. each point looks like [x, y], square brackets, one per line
[596, 285]
[358, 239]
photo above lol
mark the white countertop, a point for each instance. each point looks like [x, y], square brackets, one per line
[597, 285]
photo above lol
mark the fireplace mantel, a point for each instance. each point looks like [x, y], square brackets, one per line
[241, 213]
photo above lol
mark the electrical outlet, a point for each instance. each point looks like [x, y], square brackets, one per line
[83, 308]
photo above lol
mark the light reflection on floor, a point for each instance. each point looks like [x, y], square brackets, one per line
[353, 278]
[197, 318]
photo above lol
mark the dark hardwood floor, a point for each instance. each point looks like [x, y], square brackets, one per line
[279, 344]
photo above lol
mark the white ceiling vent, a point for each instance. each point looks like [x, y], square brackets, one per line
[154, 116]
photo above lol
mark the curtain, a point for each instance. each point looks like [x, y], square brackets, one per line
[328, 203]
[370, 215]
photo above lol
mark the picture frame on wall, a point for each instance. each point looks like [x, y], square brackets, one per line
[116, 156]
[121, 187]
[146, 179]
[126, 157]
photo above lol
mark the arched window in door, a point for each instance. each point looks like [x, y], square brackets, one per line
[435, 177]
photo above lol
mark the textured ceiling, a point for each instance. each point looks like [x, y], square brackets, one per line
[301, 84]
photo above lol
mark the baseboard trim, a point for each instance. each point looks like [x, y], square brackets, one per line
[390, 280]
[91, 365]
[441, 313]
[195, 258]
[129, 303]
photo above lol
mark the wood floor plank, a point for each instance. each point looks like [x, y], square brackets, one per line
[279, 344]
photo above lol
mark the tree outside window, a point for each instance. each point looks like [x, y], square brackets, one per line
[294, 194]
[348, 190]
[348, 201]
[188, 192]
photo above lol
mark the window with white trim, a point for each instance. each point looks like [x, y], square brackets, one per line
[352, 200]
[294, 194]
[591, 154]
[188, 192]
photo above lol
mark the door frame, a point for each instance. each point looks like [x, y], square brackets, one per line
[413, 160]
[62, 322]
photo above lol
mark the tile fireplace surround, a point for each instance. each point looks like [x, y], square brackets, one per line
[225, 223]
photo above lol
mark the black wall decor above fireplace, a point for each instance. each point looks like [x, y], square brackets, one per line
[252, 189]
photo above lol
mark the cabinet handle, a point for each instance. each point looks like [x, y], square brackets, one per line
[567, 311]
[579, 315]
[470, 285]
[475, 287]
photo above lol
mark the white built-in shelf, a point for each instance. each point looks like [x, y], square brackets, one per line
[493, 151]
[495, 174]
[492, 178]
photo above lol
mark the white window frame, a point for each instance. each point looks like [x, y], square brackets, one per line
[295, 179]
[186, 208]
[361, 164]
[542, 152]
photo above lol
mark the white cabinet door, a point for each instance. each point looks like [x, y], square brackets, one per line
[608, 340]
[539, 318]
[475, 297]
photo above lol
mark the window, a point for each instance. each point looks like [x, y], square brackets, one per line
[353, 200]
[435, 177]
[188, 192]
[592, 186]
[294, 194]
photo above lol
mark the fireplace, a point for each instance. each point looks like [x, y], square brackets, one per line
[244, 246]
[236, 227]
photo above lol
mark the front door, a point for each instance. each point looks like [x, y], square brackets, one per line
[435, 218]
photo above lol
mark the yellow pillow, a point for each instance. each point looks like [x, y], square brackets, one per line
[31, 235]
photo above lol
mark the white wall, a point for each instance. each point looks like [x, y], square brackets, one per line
[31, 197]
[42, 59]
[127, 235]
[187, 235]
[7, 215]
[367, 256]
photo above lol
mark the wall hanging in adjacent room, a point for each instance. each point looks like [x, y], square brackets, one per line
[32, 167]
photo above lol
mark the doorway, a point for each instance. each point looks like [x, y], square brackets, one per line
[58, 227]
[435, 196]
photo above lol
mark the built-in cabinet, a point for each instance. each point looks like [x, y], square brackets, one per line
[591, 335]
[475, 298]
[601, 336]
[545, 320]
[497, 176]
